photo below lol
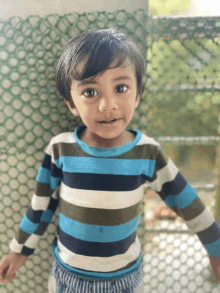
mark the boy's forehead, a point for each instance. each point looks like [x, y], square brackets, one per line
[126, 66]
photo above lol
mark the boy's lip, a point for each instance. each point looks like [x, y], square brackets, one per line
[110, 124]
[108, 119]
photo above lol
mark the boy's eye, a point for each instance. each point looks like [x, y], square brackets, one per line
[122, 85]
[88, 90]
[91, 91]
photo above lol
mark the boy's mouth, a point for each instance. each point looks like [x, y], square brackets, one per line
[112, 122]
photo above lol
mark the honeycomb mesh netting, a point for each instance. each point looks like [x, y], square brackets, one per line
[32, 113]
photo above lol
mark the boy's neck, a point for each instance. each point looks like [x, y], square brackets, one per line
[125, 138]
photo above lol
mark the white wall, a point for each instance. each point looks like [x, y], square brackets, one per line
[204, 8]
[24, 8]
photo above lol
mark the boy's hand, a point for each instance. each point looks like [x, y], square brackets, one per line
[9, 265]
[215, 263]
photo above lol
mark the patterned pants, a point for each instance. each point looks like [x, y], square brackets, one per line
[130, 284]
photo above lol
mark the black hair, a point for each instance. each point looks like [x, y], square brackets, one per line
[101, 48]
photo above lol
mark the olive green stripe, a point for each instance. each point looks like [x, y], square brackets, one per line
[22, 236]
[147, 151]
[191, 211]
[93, 216]
[43, 189]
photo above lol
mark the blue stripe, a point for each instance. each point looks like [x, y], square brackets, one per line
[173, 187]
[111, 152]
[44, 176]
[27, 226]
[183, 199]
[95, 249]
[213, 248]
[33, 216]
[103, 182]
[47, 216]
[53, 204]
[27, 251]
[46, 161]
[106, 166]
[209, 235]
[42, 216]
[30, 227]
[97, 233]
[47, 164]
[170, 201]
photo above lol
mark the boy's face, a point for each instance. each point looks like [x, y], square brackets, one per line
[106, 99]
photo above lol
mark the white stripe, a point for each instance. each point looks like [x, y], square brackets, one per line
[201, 222]
[99, 264]
[40, 202]
[147, 140]
[15, 246]
[101, 199]
[56, 193]
[66, 137]
[32, 241]
[166, 174]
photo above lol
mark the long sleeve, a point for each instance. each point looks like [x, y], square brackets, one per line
[179, 195]
[42, 208]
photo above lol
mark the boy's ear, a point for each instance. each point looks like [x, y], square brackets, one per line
[137, 101]
[72, 107]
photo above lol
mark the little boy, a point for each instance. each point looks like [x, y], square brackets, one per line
[97, 173]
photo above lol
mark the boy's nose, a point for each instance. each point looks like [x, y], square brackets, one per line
[107, 104]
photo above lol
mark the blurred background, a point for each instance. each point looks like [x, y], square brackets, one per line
[182, 98]
[24, 8]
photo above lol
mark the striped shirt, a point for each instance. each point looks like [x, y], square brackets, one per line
[99, 193]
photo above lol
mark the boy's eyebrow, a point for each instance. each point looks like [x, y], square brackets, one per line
[89, 81]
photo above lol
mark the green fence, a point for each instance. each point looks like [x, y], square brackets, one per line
[181, 97]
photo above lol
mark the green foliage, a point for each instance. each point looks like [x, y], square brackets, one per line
[183, 83]
[168, 7]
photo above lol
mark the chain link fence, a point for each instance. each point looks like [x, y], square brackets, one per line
[181, 96]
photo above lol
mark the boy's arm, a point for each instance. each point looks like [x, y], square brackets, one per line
[215, 263]
[43, 205]
[178, 195]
